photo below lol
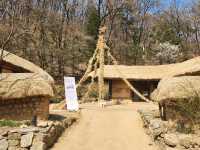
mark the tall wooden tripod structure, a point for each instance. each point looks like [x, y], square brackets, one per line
[98, 61]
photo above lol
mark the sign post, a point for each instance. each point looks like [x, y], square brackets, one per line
[71, 94]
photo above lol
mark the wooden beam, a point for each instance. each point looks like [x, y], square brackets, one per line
[101, 74]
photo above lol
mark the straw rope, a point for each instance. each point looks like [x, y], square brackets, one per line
[99, 56]
[89, 88]
[89, 68]
[101, 45]
[125, 80]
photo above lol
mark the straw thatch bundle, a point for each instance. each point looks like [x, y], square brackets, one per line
[22, 85]
[22, 63]
[157, 72]
[177, 88]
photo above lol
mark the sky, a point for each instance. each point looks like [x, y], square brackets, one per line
[180, 3]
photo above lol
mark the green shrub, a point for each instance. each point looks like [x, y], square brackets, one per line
[190, 108]
[54, 100]
[183, 128]
[93, 92]
[9, 123]
[59, 94]
[187, 114]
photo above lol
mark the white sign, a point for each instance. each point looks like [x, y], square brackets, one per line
[71, 94]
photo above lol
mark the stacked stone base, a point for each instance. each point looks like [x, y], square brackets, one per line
[165, 135]
[34, 138]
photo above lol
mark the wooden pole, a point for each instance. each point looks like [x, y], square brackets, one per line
[101, 46]
[101, 75]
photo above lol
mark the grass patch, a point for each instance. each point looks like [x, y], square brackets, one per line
[9, 123]
[55, 101]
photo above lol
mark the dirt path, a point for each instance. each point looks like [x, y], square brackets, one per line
[111, 128]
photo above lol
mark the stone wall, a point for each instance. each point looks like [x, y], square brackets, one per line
[165, 133]
[24, 109]
[41, 137]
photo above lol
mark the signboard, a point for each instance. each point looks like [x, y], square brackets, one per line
[71, 94]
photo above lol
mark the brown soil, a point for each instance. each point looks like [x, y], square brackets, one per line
[116, 127]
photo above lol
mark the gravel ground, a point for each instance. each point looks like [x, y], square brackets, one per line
[117, 127]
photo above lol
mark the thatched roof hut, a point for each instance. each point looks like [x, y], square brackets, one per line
[177, 88]
[179, 98]
[25, 89]
[156, 72]
[144, 78]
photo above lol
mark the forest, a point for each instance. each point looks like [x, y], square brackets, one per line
[60, 35]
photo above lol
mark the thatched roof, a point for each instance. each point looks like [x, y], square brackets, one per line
[157, 72]
[22, 63]
[21, 85]
[177, 88]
